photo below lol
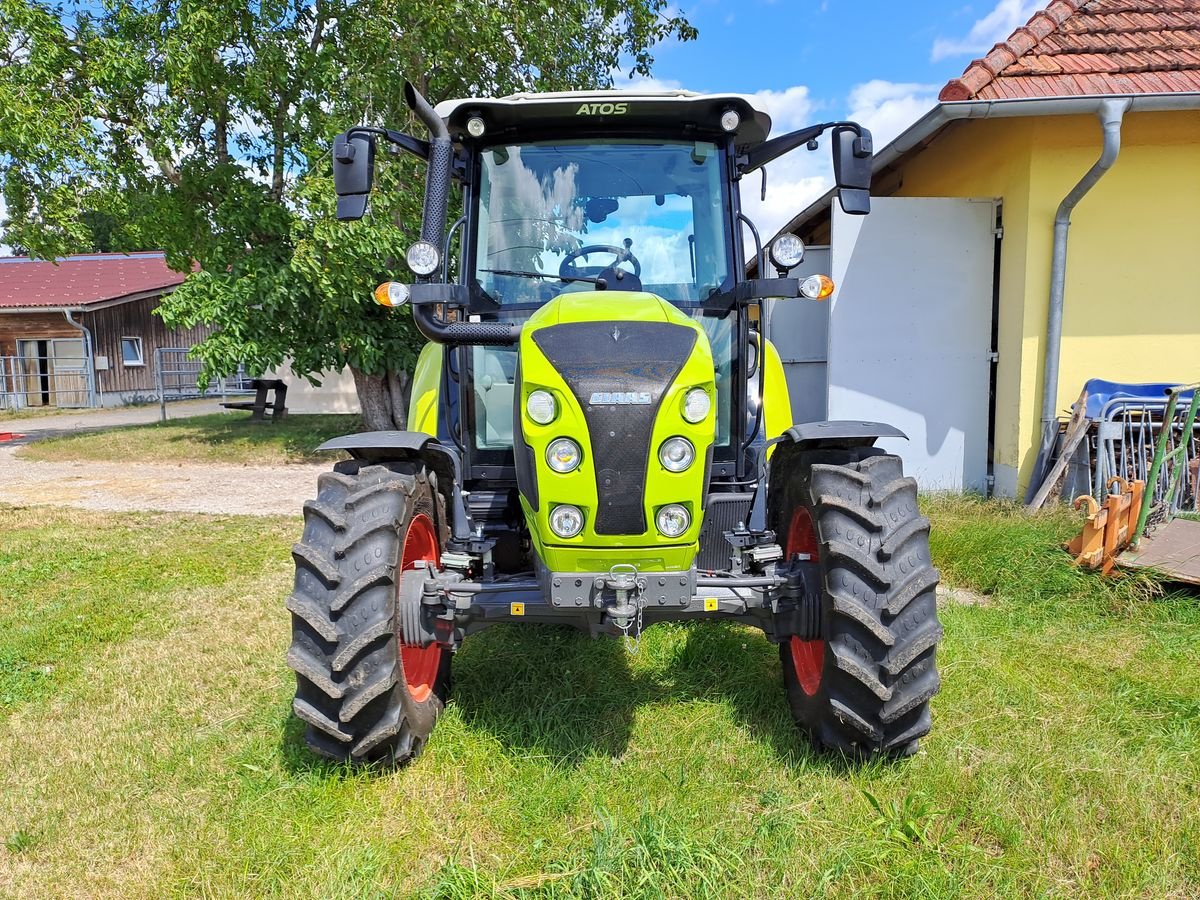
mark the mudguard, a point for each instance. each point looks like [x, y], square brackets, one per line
[381, 446]
[811, 435]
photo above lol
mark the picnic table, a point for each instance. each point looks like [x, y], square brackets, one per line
[259, 405]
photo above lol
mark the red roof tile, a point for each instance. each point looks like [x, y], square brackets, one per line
[82, 280]
[1087, 47]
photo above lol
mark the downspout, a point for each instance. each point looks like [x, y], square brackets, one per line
[87, 350]
[1111, 113]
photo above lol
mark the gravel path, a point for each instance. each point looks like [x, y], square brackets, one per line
[182, 487]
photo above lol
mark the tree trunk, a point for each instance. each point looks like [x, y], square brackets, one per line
[384, 399]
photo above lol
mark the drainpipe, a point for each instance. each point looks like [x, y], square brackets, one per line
[1111, 112]
[87, 350]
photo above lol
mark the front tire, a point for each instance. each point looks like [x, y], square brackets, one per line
[364, 695]
[863, 685]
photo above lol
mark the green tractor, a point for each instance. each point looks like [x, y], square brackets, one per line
[601, 437]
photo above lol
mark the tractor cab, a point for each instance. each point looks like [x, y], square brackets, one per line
[599, 437]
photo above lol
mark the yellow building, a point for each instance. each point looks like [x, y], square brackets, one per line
[1078, 105]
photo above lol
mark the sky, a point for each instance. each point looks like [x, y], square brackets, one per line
[878, 62]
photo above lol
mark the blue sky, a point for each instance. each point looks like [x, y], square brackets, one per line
[880, 63]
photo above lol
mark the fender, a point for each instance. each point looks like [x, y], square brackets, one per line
[815, 435]
[382, 446]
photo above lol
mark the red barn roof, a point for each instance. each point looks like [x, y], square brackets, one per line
[78, 281]
[1089, 47]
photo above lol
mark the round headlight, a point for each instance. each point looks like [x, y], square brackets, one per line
[476, 126]
[541, 407]
[696, 405]
[566, 521]
[563, 455]
[423, 258]
[787, 251]
[672, 520]
[676, 454]
[730, 120]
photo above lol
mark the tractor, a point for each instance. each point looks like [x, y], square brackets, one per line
[601, 434]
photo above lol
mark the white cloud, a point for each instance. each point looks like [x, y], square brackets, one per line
[887, 107]
[1006, 17]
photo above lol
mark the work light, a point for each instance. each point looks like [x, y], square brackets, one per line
[423, 258]
[787, 251]
[730, 120]
[476, 126]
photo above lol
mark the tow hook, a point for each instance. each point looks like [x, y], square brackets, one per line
[622, 579]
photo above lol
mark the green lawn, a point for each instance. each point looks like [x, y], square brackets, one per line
[217, 438]
[146, 746]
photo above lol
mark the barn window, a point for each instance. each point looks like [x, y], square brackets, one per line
[131, 351]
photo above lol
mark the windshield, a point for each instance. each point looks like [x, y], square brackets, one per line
[562, 216]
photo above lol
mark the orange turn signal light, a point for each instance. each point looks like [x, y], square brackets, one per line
[391, 293]
[817, 287]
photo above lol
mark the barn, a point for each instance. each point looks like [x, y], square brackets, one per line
[81, 331]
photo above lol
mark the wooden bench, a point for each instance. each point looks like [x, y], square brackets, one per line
[259, 405]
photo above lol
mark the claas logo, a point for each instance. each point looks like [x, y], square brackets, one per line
[602, 109]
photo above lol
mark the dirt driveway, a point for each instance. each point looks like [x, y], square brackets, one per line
[182, 487]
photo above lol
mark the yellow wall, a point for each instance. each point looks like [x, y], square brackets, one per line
[1132, 309]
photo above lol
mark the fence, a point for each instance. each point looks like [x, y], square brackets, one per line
[177, 377]
[61, 379]
[1127, 435]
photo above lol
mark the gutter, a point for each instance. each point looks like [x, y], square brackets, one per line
[945, 113]
[88, 351]
[1111, 113]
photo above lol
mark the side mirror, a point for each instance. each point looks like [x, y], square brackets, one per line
[353, 173]
[852, 155]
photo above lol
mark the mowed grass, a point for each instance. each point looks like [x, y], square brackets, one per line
[146, 745]
[215, 438]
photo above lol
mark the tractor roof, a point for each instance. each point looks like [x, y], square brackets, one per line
[685, 113]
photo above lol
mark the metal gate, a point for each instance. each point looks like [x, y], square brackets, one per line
[61, 376]
[177, 377]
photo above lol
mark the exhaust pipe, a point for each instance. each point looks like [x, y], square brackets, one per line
[433, 229]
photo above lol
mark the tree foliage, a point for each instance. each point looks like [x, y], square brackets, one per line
[204, 129]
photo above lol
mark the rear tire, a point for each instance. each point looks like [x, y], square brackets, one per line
[363, 695]
[862, 688]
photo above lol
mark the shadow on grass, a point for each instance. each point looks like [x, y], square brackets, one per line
[555, 694]
[297, 436]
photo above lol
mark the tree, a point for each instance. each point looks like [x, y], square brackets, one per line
[204, 128]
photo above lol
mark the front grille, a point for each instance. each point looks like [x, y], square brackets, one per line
[628, 358]
[723, 514]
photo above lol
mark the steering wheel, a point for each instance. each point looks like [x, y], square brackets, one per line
[620, 255]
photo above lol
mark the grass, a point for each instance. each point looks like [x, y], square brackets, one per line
[215, 438]
[146, 746]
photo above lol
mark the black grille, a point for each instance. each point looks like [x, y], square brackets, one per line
[723, 514]
[631, 358]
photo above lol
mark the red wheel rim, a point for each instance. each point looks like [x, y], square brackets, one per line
[420, 664]
[808, 657]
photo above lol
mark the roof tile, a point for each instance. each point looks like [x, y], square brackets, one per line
[76, 281]
[1088, 47]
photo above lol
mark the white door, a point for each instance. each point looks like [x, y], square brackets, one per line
[910, 331]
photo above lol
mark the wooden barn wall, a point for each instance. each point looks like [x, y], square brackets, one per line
[135, 319]
[31, 326]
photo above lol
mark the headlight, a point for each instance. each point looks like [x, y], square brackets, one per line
[787, 251]
[696, 405]
[423, 258]
[676, 454]
[672, 520]
[541, 407]
[563, 455]
[566, 521]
